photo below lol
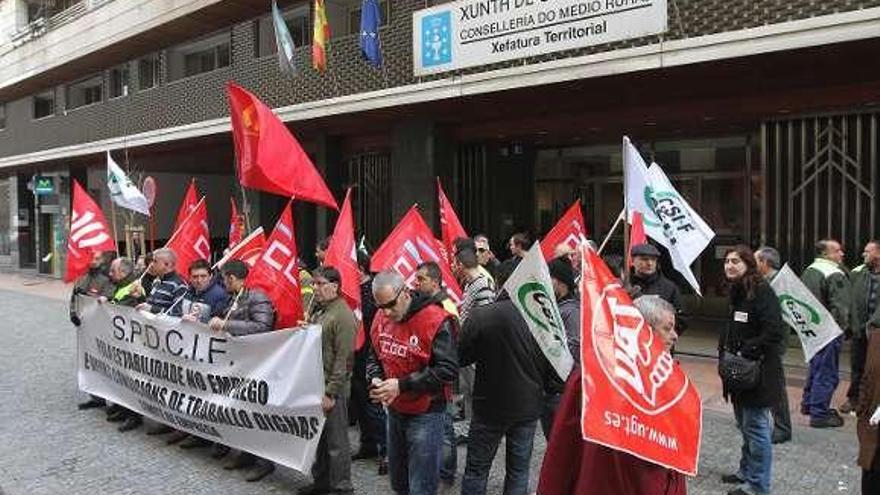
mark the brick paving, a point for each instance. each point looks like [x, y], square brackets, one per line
[47, 447]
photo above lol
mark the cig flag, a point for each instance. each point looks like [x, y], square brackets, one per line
[123, 192]
[804, 313]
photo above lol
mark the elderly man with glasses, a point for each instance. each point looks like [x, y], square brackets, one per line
[411, 369]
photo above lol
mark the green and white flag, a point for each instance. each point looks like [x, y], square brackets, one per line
[804, 313]
[531, 291]
[122, 191]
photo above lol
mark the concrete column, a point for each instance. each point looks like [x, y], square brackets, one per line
[420, 151]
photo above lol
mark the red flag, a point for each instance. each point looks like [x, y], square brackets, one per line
[277, 272]
[190, 199]
[192, 241]
[342, 255]
[236, 225]
[410, 244]
[248, 250]
[450, 227]
[570, 230]
[636, 397]
[269, 157]
[636, 235]
[89, 233]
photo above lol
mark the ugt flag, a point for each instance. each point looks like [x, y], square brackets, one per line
[636, 398]
[804, 313]
[531, 291]
[371, 19]
[410, 244]
[122, 191]
[283, 42]
[192, 240]
[667, 217]
[342, 255]
[89, 233]
[570, 230]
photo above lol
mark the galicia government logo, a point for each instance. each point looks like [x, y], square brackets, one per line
[437, 39]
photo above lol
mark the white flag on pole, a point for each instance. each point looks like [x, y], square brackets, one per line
[122, 191]
[668, 218]
[531, 291]
[804, 313]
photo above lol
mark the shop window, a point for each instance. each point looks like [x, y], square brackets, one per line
[85, 92]
[119, 81]
[197, 57]
[297, 20]
[148, 71]
[44, 104]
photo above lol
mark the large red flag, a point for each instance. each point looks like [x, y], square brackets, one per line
[342, 255]
[89, 233]
[248, 250]
[277, 272]
[192, 241]
[410, 244]
[636, 235]
[236, 225]
[636, 397]
[570, 230]
[269, 157]
[190, 199]
[450, 227]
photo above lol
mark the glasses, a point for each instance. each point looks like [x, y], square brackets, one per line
[390, 304]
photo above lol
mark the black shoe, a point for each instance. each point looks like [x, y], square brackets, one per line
[90, 404]
[364, 454]
[240, 461]
[383, 466]
[130, 423]
[118, 416]
[219, 451]
[732, 479]
[176, 437]
[114, 409]
[738, 491]
[194, 442]
[779, 437]
[264, 468]
[159, 429]
[830, 421]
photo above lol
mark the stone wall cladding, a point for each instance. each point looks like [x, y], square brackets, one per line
[202, 97]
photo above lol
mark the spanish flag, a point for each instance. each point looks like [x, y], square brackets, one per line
[320, 38]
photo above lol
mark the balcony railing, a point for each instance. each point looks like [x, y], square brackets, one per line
[42, 25]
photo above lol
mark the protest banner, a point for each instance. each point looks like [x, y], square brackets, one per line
[260, 393]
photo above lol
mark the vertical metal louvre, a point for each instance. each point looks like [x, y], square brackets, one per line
[470, 197]
[370, 173]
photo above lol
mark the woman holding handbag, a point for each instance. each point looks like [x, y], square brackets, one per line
[750, 367]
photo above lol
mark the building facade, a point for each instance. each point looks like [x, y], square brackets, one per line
[763, 112]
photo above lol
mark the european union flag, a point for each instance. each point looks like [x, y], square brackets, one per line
[371, 18]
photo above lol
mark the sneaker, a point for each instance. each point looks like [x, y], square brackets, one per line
[847, 407]
[732, 479]
[830, 421]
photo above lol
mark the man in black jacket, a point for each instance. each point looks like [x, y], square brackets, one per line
[648, 280]
[512, 376]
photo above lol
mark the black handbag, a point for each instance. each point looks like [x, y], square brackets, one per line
[739, 373]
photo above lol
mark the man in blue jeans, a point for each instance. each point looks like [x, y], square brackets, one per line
[512, 376]
[410, 369]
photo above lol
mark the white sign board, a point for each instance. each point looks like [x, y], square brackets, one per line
[479, 32]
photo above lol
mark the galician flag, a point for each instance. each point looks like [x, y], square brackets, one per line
[804, 313]
[667, 217]
[531, 291]
[122, 191]
[283, 42]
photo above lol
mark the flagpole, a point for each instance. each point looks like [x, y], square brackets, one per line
[624, 273]
[612, 231]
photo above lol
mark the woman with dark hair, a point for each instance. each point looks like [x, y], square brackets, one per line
[754, 331]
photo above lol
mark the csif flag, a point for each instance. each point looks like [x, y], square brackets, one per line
[450, 226]
[192, 240]
[276, 272]
[342, 255]
[269, 157]
[283, 42]
[570, 231]
[667, 217]
[123, 192]
[804, 313]
[190, 200]
[320, 37]
[531, 291]
[410, 244]
[88, 234]
[236, 224]
[248, 250]
[636, 398]
[371, 19]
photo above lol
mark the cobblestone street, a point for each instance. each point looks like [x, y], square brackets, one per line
[48, 447]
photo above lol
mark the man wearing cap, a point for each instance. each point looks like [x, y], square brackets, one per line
[647, 278]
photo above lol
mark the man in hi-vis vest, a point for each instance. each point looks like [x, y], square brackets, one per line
[829, 283]
[411, 370]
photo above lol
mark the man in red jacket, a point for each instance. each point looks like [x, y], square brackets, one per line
[574, 465]
[410, 370]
